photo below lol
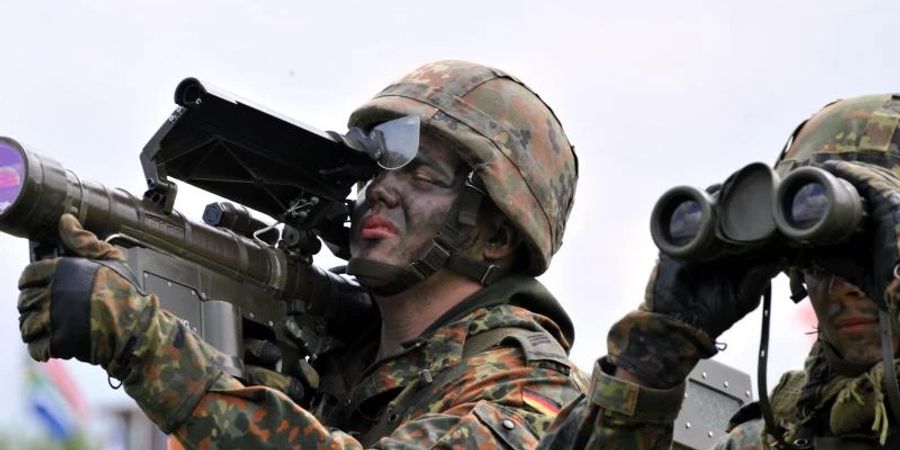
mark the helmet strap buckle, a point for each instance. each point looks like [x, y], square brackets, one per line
[434, 258]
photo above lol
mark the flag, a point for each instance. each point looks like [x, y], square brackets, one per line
[55, 399]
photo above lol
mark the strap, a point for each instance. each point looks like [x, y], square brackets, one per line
[415, 395]
[887, 358]
[482, 341]
[761, 369]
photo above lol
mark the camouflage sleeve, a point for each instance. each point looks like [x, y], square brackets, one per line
[177, 379]
[162, 364]
[616, 414]
[746, 436]
[498, 403]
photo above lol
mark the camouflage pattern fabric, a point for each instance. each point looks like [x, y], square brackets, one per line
[616, 414]
[507, 396]
[504, 397]
[162, 364]
[858, 129]
[845, 406]
[661, 349]
[503, 130]
[746, 436]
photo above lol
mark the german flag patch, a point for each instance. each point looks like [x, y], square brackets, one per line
[540, 403]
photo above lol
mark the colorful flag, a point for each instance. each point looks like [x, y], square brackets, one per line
[55, 398]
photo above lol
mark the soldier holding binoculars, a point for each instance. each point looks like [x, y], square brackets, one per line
[829, 216]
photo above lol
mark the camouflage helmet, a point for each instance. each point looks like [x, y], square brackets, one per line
[504, 131]
[856, 129]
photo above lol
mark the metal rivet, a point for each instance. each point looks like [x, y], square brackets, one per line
[169, 283]
[251, 315]
[709, 434]
[703, 375]
[725, 384]
[747, 394]
[508, 424]
[272, 324]
[687, 424]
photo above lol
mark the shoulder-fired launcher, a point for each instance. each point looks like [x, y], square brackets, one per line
[229, 285]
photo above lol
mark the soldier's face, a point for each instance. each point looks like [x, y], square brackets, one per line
[848, 319]
[399, 211]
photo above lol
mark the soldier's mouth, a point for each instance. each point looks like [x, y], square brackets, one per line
[855, 325]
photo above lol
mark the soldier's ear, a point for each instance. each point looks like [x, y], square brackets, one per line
[502, 241]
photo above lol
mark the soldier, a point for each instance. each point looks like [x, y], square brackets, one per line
[840, 399]
[469, 349]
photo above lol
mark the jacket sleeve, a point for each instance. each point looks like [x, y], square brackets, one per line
[616, 414]
[499, 402]
[746, 436]
[491, 405]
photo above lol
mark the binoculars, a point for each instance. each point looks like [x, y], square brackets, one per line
[755, 207]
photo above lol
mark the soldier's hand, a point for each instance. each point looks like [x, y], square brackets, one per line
[710, 296]
[686, 306]
[874, 270]
[55, 294]
[263, 357]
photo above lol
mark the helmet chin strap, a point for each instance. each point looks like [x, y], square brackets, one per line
[444, 250]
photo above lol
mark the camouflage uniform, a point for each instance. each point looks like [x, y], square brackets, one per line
[846, 404]
[504, 396]
[616, 414]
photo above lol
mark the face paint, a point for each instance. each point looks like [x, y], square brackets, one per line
[848, 319]
[401, 210]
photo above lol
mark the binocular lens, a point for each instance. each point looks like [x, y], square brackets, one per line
[686, 222]
[12, 169]
[683, 223]
[813, 207]
[809, 206]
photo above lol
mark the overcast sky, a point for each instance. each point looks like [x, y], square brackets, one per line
[652, 94]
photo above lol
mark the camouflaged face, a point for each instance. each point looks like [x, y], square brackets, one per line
[856, 129]
[504, 131]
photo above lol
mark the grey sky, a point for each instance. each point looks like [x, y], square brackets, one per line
[652, 94]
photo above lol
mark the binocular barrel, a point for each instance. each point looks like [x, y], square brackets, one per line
[35, 191]
[808, 207]
[813, 207]
[683, 222]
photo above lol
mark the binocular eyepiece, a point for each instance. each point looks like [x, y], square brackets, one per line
[809, 207]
